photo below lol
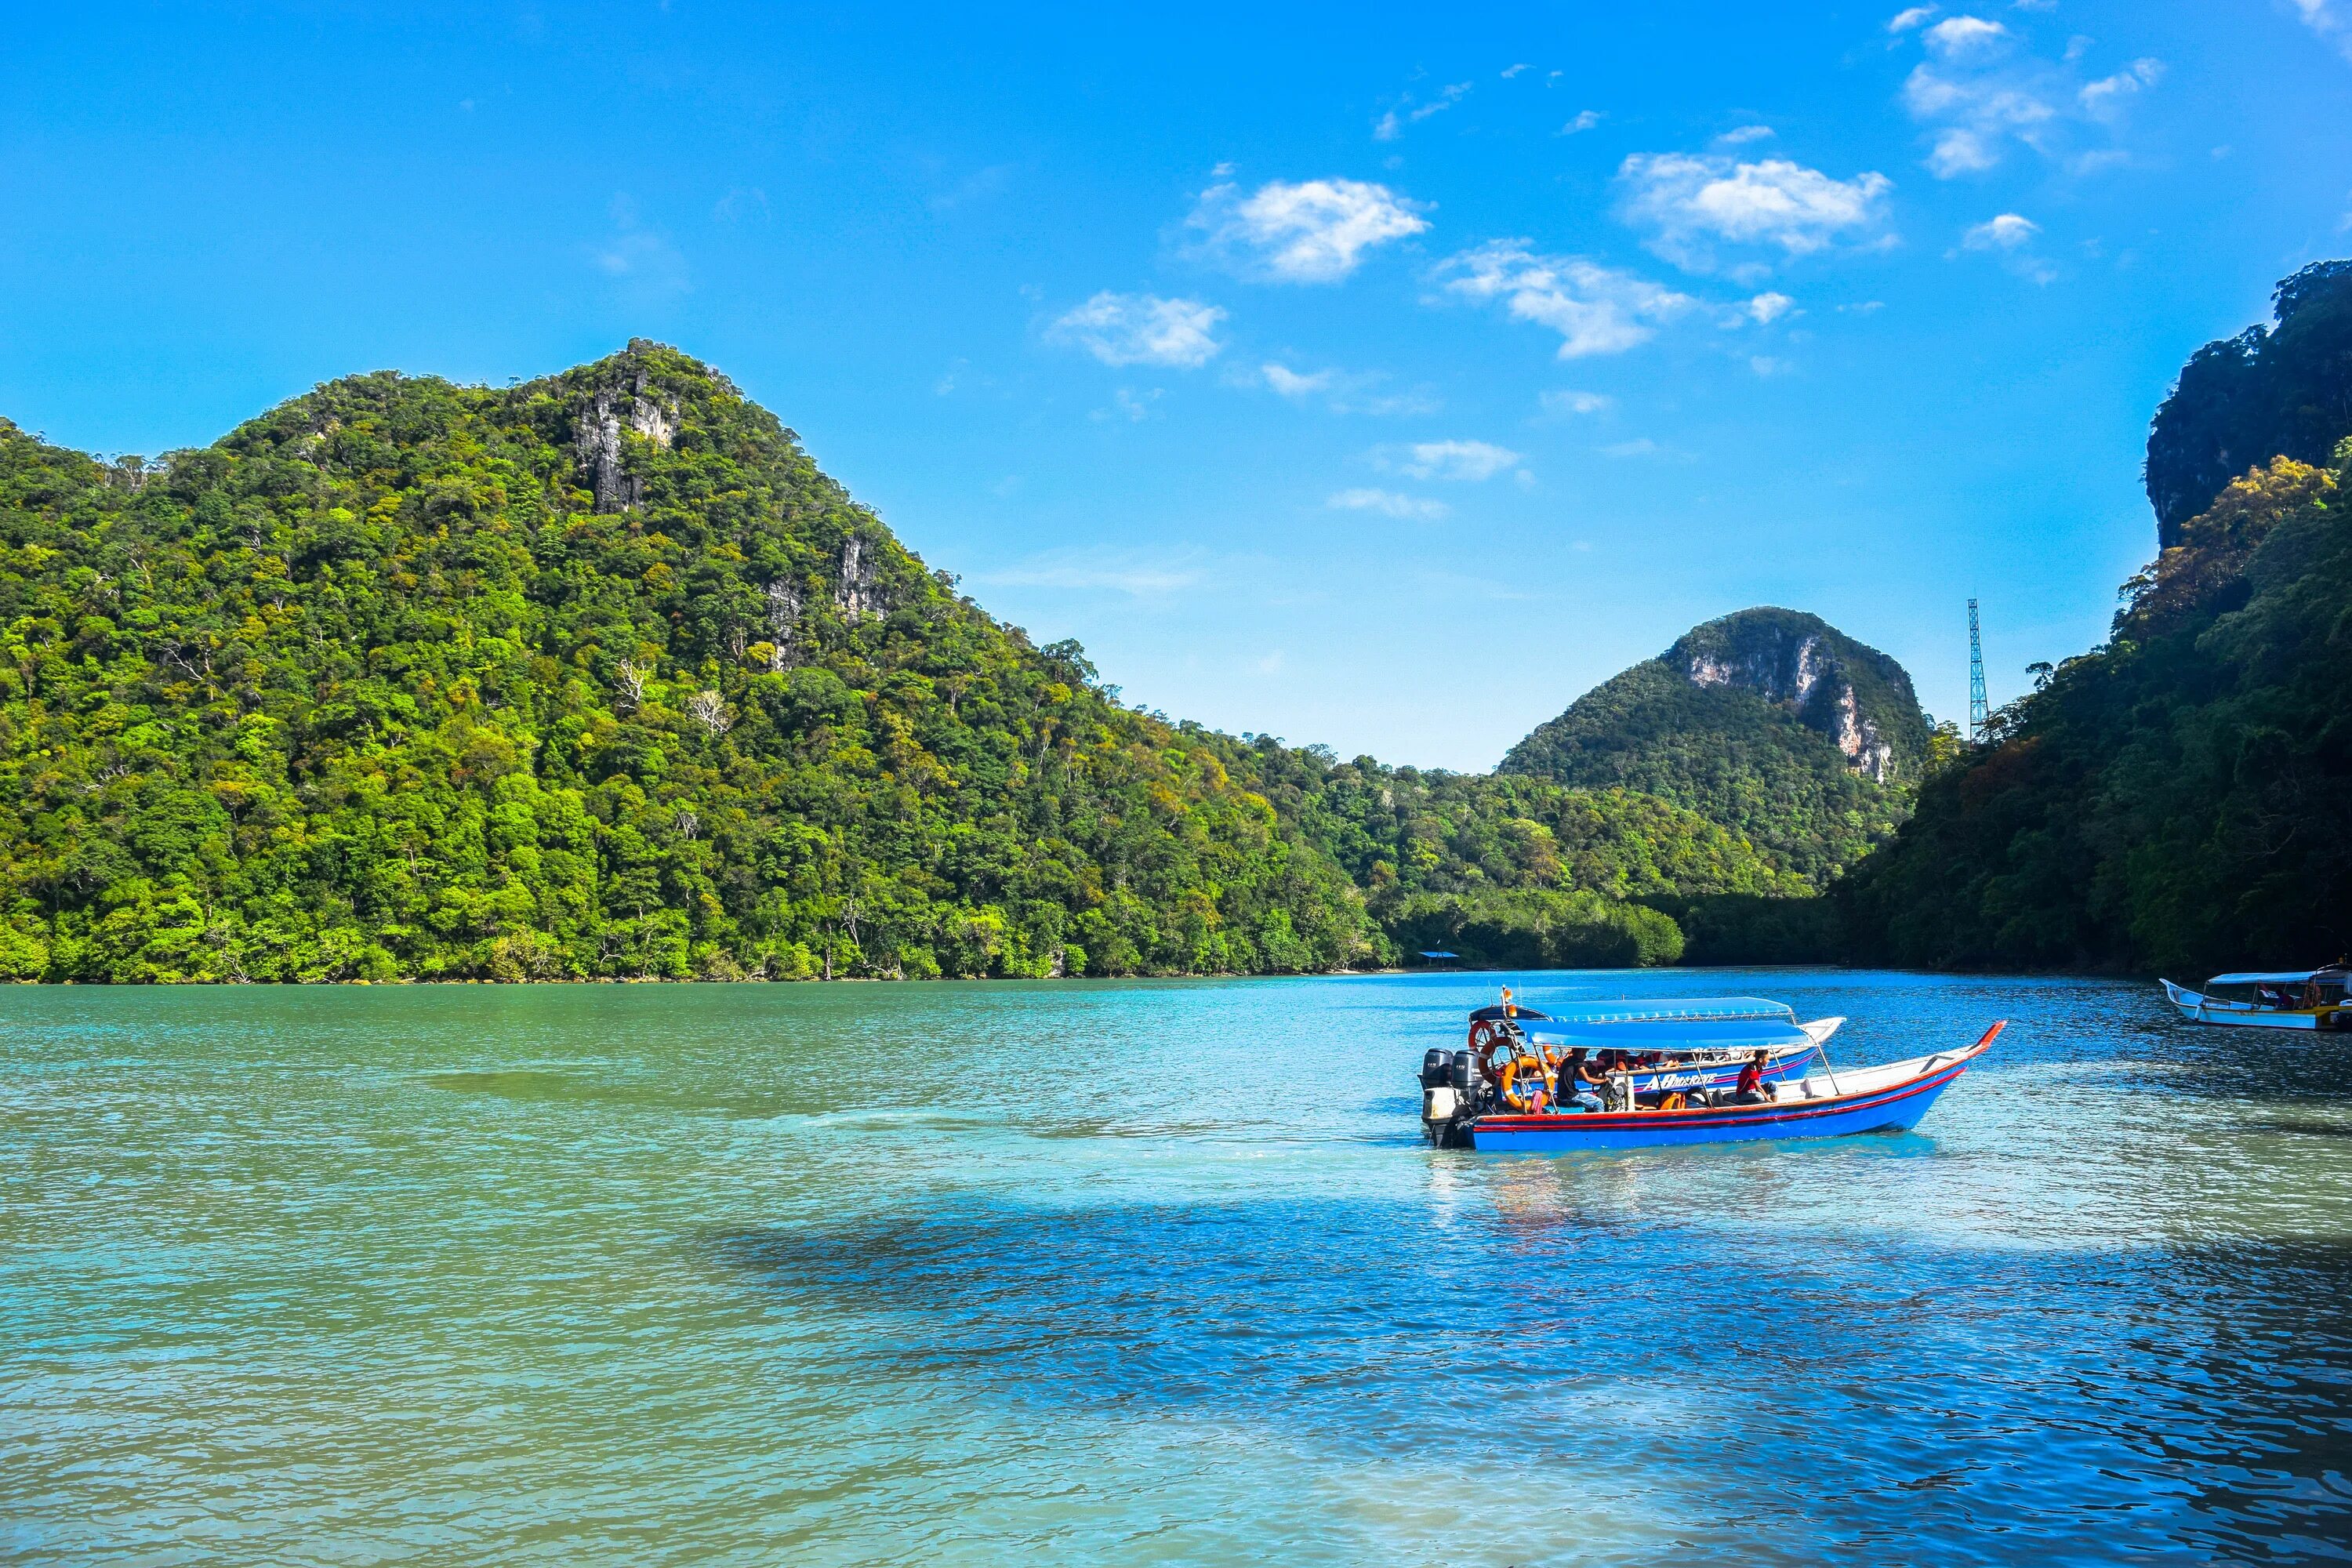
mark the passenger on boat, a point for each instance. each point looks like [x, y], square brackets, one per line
[1578, 1087]
[1749, 1090]
[1613, 1062]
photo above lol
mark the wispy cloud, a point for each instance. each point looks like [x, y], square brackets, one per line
[1768, 307]
[1315, 231]
[1583, 121]
[2011, 236]
[1915, 17]
[1980, 91]
[1690, 205]
[1740, 135]
[1570, 403]
[743, 204]
[1595, 310]
[1291, 384]
[2104, 99]
[1141, 329]
[1388, 503]
[1965, 37]
[641, 257]
[1392, 125]
[1344, 392]
[977, 185]
[2329, 19]
[2006, 231]
[1473, 462]
[1129, 404]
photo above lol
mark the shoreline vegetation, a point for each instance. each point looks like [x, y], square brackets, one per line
[598, 678]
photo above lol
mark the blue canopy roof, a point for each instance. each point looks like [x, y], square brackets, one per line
[1701, 1024]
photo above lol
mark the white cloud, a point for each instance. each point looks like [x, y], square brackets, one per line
[1766, 309]
[1315, 231]
[1744, 134]
[2006, 231]
[1586, 119]
[1143, 329]
[1575, 403]
[2009, 236]
[1470, 461]
[2326, 18]
[2103, 99]
[1595, 310]
[1139, 573]
[1388, 503]
[1978, 94]
[1510, 71]
[1290, 384]
[1966, 38]
[1903, 21]
[1688, 201]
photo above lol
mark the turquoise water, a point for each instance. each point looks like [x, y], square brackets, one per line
[1142, 1273]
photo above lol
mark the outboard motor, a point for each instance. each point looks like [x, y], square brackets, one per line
[1450, 1084]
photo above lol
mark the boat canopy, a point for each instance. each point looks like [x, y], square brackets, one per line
[1703, 1023]
[2284, 977]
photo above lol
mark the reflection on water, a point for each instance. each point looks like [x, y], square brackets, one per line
[1143, 1272]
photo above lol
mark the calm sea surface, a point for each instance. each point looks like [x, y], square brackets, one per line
[1143, 1273]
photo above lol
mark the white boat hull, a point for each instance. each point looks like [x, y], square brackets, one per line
[2201, 1009]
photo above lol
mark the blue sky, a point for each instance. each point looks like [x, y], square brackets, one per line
[1378, 376]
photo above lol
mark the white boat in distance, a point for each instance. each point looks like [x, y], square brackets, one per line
[2283, 999]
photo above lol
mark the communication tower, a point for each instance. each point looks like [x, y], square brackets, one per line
[1977, 706]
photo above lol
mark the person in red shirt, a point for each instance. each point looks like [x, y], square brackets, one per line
[1749, 1091]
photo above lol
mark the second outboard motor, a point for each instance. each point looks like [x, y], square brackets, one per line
[1468, 1081]
[1436, 1067]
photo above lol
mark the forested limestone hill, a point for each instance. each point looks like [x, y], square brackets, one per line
[2265, 394]
[595, 675]
[1769, 722]
[2180, 799]
[598, 675]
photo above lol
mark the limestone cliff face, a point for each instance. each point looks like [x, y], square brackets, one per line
[596, 434]
[1801, 663]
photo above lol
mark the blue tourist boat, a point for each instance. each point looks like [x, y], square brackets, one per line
[1715, 1070]
[1683, 1043]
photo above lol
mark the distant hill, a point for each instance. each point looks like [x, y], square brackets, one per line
[2266, 392]
[1769, 722]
